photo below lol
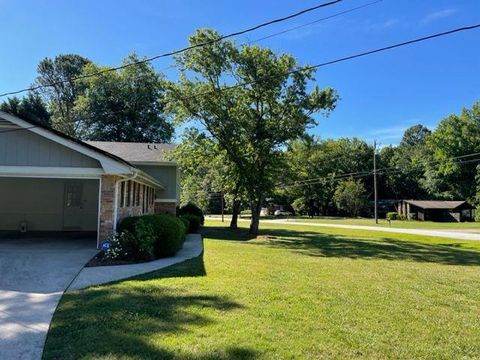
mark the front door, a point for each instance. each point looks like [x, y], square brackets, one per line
[73, 205]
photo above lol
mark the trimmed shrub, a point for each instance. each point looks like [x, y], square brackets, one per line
[392, 215]
[192, 209]
[185, 221]
[194, 222]
[139, 244]
[134, 242]
[168, 232]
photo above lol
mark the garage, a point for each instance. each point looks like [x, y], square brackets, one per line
[46, 206]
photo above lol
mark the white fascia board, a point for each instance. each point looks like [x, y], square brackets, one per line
[51, 172]
[110, 165]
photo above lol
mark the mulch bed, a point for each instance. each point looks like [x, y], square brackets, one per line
[99, 260]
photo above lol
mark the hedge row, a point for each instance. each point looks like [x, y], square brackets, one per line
[168, 232]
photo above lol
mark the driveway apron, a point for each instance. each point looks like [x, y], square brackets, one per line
[33, 276]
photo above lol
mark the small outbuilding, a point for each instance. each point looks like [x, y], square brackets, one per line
[436, 210]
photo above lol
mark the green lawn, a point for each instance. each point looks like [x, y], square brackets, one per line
[293, 293]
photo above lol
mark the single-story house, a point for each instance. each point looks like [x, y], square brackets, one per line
[436, 210]
[51, 182]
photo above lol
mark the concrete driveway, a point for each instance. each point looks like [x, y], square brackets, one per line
[33, 275]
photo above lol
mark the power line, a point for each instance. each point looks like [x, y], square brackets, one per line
[175, 52]
[342, 59]
[346, 58]
[383, 171]
[314, 22]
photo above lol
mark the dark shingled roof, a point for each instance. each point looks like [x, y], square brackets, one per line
[136, 152]
[437, 204]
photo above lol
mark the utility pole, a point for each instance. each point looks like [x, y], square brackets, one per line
[375, 179]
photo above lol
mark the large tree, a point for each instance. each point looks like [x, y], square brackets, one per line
[60, 90]
[316, 166]
[351, 197]
[207, 171]
[124, 105]
[251, 122]
[451, 174]
[31, 108]
[404, 177]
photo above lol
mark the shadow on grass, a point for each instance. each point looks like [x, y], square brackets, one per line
[225, 233]
[132, 319]
[326, 245]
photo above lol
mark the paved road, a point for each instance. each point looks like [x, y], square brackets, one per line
[33, 275]
[458, 235]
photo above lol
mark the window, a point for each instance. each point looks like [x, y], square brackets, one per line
[129, 193]
[73, 196]
[122, 194]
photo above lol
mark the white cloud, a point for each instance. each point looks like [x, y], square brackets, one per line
[436, 15]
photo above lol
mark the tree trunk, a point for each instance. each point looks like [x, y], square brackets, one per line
[255, 222]
[235, 213]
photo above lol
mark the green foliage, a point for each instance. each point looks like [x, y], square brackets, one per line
[323, 160]
[126, 105]
[300, 206]
[139, 244]
[31, 108]
[194, 222]
[351, 196]
[392, 215]
[185, 222]
[456, 135]
[250, 124]
[168, 231]
[192, 209]
[63, 90]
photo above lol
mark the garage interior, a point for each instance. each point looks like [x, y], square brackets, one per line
[49, 207]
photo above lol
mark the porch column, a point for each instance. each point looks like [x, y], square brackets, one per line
[107, 207]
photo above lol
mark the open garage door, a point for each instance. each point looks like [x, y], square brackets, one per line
[48, 205]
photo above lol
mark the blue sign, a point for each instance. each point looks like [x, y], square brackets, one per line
[105, 245]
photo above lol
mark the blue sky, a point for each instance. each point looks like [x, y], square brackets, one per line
[381, 95]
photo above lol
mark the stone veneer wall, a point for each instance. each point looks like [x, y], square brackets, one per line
[132, 210]
[165, 208]
[107, 205]
[107, 192]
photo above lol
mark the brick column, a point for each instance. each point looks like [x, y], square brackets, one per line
[107, 204]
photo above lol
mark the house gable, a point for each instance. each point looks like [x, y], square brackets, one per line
[110, 164]
[21, 147]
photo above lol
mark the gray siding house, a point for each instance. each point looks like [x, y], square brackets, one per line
[50, 182]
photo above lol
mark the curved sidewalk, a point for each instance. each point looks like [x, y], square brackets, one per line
[89, 276]
[438, 233]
